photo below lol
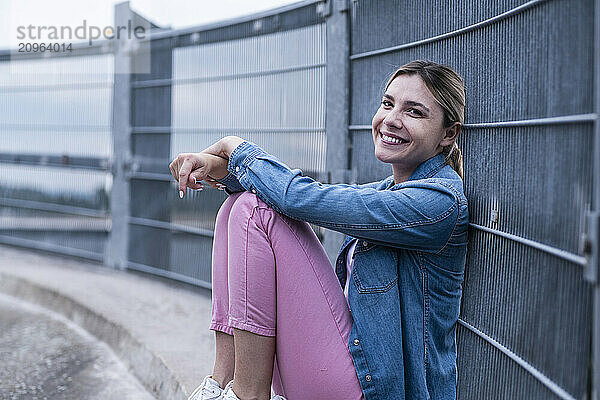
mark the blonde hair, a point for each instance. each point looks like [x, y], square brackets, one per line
[448, 88]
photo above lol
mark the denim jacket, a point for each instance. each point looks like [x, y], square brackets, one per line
[408, 268]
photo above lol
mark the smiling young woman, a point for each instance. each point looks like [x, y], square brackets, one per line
[380, 323]
[421, 114]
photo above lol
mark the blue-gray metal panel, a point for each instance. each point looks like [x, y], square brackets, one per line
[51, 247]
[73, 187]
[531, 64]
[533, 303]
[191, 255]
[88, 245]
[60, 160]
[384, 23]
[20, 204]
[25, 74]
[513, 69]
[484, 372]
[54, 132]
[534, 182]
[292, 16]
[262, 103]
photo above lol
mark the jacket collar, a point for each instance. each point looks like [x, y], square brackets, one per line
[426, 169]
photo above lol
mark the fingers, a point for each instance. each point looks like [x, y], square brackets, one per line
[213, 183]
[174, 168]
[189, 170]
[194, 177]
[194, 183]
[184, 173]
[216, 185]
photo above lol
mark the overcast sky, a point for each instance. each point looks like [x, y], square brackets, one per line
[174, 13]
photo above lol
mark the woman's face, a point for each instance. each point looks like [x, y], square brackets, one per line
[413, 118]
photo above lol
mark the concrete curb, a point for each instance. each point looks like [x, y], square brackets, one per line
[146, 366]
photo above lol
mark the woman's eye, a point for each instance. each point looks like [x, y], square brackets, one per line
[415, 112]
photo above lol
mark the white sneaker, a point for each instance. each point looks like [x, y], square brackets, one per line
[228, 393]
[208, 390]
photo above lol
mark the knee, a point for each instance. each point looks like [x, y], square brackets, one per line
[243, 208]
[225, 209]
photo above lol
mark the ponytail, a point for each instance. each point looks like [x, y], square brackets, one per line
[454, 158]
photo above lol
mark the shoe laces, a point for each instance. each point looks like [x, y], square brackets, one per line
[229, 391]
[208, 390]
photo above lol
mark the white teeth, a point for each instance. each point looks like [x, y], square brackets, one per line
[391, 139]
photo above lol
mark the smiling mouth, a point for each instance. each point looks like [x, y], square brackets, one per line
[391, 140]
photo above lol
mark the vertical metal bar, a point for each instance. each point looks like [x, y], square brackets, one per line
[118, 241]
[595, 256]
[337, 105]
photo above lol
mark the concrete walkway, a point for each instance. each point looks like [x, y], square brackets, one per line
[158, 328]
[45, 356]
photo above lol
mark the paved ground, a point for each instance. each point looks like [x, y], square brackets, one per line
[45, 356]
[159, 329]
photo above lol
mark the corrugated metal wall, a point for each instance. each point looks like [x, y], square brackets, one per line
[261, 79]
[55, 143]
[527, 311]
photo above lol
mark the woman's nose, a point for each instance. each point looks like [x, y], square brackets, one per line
[392, 120]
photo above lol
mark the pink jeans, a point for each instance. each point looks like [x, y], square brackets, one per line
[271, 276]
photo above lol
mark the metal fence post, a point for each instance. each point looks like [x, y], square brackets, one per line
[118, 241]
[595, 259]
[337, 103]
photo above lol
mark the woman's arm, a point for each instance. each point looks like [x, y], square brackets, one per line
[222, 148]
[420, 215]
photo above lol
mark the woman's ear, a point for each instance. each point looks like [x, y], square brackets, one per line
[450, 134]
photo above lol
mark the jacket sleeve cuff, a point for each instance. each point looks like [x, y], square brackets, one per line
[239, 159]
[232, 185]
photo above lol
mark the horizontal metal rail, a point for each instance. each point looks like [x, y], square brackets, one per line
[49, 224]
[171, 227]
[58, 86]
[168, 274]
[186, 81]
[565, 255]
[150, 176]
[232, 21]
[540, 377]
[54, 248]
[294, 129]
[560, 120]
[55, 127]
[60, 161]
[489, 21]
[142, 130]
[53, 207]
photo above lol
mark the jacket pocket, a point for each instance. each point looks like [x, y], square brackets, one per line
[375, 268]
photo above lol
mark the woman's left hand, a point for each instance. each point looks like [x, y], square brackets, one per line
[190, 168]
